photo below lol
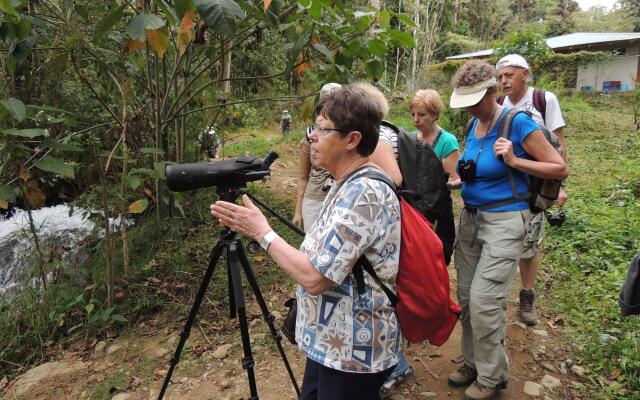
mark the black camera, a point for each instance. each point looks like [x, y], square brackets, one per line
[555, 219]
[467, 170]
[232, 173]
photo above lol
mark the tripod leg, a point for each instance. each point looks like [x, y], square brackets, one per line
[266, 314]
[238, 294]
[186, 330]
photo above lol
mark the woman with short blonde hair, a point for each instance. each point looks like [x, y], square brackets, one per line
[425, 107]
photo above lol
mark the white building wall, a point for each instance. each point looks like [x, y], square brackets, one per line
[621, 68]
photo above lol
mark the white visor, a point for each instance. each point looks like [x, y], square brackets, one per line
[467, 96]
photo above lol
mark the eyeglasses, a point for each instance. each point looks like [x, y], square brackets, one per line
[323, 131]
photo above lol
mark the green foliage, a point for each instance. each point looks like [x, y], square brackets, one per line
[104, 389]
[587, 257]
[532, 46]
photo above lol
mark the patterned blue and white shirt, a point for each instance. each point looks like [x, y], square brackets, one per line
[341, 329]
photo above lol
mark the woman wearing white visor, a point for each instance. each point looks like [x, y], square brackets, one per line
[492, 224]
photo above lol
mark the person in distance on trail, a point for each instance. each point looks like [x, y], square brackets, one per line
[285, 122]
[352, 342]
[313, 182]
[513, 75]
[492, 224]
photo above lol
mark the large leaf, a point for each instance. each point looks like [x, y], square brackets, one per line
[133, 181]
[159, 40]
[15, 107]
[110, 19]
[55, 165]
[138, 206]
[7, 194]
[8, 8]
[133, 46]
[404, 18]
[402, 39]
[325, 51]
[374, 68]
[377, 47]
[28, 133]
[139, 25]
[23, 29]
[168, 11]
[185, 33]
[183, 7]
[220, 15]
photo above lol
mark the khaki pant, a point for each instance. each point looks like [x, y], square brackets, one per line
[535, 233]
[485, 274]
[310, 210]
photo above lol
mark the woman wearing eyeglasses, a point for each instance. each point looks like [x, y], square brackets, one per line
[313, 182]
[352, 341]
[493, 222]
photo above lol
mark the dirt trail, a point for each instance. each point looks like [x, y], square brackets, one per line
[133, 368]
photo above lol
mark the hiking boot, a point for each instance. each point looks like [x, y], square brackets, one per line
[527, 311]
[478, 391]
[464, 376]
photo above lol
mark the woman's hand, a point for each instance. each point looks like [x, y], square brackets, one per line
[297, 219]
[247, 220]
[503, 148]
[454, 184]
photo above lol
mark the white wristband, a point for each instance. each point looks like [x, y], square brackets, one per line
[267, 239]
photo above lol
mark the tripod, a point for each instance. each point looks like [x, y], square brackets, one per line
[236, 259]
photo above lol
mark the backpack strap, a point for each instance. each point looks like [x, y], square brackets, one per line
[363, 263]
[500, 100]
[467, 127]
[504, 131]
[540, 103]
[436, 140]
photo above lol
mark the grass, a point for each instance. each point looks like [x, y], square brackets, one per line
[103, 390]
[587, 258]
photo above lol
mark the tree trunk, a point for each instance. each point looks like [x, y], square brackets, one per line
[414, 52]
[226, 68]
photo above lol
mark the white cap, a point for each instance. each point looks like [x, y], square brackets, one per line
[467, 96]
[512, 60]
[328, 88]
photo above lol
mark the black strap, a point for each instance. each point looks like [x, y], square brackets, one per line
[363, 263]
[500, 100]
[437, 139]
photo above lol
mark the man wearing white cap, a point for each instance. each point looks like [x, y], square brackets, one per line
[513, 75]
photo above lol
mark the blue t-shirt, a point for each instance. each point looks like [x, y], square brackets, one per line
[492, 181]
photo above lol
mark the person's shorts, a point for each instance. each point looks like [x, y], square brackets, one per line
[533, 237]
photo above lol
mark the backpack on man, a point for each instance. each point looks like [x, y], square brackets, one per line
[542, 193]
[424, 186]
[423, 306]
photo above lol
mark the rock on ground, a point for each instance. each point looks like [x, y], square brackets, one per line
[533, 389]
[550, 382]
[51, 370]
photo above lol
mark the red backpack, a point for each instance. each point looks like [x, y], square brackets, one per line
[423, 305]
